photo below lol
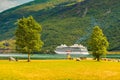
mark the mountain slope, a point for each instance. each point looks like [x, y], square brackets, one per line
[65, 21]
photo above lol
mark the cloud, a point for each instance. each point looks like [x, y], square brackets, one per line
[6, 4]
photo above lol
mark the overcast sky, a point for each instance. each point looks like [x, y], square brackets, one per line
[6, 4]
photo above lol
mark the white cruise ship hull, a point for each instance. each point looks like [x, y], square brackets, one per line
[74, 49]
[85, 53]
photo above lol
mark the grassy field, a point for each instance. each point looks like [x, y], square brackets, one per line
[114, 52]
[59, 70]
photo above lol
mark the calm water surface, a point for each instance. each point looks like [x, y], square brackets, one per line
[51, 56]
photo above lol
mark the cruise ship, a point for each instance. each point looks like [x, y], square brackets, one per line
[74, 49]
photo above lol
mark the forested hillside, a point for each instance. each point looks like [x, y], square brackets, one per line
[66, 21]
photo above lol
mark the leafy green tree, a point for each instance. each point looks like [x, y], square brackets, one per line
[28, 36]
[98, 43]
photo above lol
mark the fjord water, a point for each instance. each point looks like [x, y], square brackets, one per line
[52, 56]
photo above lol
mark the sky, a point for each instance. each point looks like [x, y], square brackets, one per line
[6, 4]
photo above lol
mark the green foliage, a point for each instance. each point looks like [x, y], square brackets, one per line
[1, 45]
[98, 43]
[28, 35]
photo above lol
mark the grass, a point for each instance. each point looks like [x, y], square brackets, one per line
[114, 52]
[59, 70]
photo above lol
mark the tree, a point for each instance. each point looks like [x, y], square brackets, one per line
[98, 43]
[28, 36]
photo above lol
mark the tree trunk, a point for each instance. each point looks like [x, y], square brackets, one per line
[98, 58]
[28, 56]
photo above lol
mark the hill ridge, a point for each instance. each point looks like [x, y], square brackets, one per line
[65, 22]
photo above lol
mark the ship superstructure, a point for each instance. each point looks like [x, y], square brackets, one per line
[74, 49]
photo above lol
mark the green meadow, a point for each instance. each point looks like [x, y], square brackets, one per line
[59, 70]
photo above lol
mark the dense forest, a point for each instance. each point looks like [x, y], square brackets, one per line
[66, 21]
